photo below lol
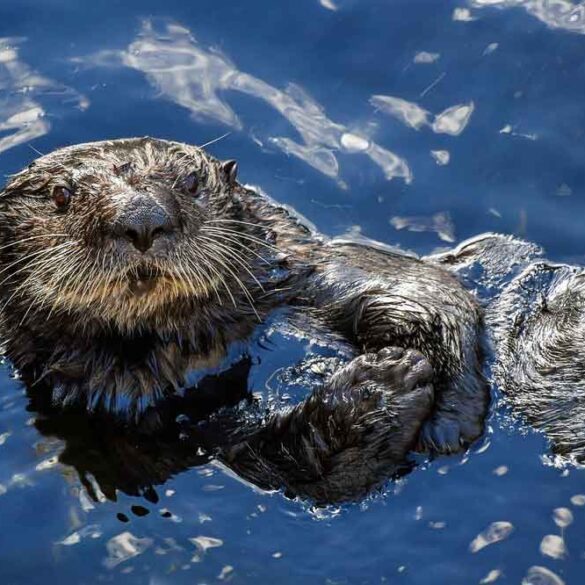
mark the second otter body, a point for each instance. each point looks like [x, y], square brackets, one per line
[125, 264]
[535, 322]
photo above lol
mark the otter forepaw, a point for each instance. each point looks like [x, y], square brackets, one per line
[401, 378]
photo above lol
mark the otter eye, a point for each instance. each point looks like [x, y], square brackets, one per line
[191, 183]
[61, 197]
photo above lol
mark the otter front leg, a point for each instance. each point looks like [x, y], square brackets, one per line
[378, 299]
[451, 343]
[348, 436]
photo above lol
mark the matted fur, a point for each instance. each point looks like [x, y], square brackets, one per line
[103, 326]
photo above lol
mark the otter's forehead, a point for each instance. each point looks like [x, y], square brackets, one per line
[141, 155]
[129, 159]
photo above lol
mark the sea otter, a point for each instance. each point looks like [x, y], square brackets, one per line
[128, 266]
[535, 318]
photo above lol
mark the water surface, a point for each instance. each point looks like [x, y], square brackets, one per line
[413, 122]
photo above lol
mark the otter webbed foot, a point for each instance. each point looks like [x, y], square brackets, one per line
[394, 381]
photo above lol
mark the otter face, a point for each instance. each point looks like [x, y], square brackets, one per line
[118, 231]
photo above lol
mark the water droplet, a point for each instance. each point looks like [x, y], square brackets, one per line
[541, 576]
[553, 546]
[563, 517]
[495, 532]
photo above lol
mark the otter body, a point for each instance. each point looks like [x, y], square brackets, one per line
[535, 317]
[127, 264]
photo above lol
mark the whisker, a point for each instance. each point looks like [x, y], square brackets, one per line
[62, 281]
[39, 253]
[242, 235]
[34, 267]
[230, 255]
[241, 246]
[240, 222]
[22, 241]
[39, 153]
[197, 268]
[35, 150]
[215, 140]
[23, 259]
[229, 268]
[218, 275]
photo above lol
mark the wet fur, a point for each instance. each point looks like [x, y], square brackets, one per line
[536, 322]
[81, 324]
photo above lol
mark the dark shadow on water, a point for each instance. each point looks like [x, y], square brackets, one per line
[134, 462]
[212, 421]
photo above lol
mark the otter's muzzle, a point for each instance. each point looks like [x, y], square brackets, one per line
[141, 221]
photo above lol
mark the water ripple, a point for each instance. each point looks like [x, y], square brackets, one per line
[562, 14]
[22, 117]
[196, 78]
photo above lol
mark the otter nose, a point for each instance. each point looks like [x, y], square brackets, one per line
[142, 222]
[143, 236]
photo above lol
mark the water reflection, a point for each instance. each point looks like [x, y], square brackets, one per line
[125, 546]
[541, 576]
[329, 5]
[508, 172]
[562, 14]
[424, 57]
[108, 460]
[495, 532]
[451, 121]
[440, 223]
[442, 157]
[196, 78]
[22, 117]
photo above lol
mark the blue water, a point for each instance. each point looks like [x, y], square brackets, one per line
[414, 122]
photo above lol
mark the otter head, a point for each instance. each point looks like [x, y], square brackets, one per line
[117, 232]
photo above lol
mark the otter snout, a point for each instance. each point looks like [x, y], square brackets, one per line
[142, 220]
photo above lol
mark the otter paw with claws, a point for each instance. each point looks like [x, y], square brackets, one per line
[445, 435]
[395, 381]
[397, 369]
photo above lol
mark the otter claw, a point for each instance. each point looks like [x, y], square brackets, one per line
[441, 438]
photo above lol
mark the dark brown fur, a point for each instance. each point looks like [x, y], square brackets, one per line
[536, 323]
[106, 323]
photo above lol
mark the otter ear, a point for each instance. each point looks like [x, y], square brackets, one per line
[230, 171]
